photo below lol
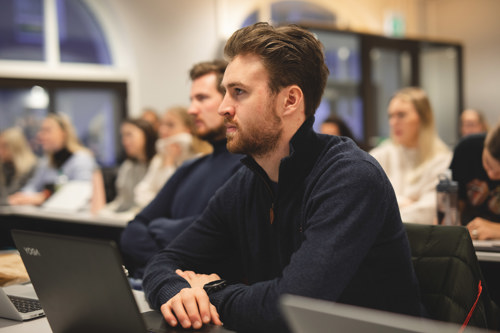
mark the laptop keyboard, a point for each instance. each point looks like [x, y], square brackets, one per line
[25, 305]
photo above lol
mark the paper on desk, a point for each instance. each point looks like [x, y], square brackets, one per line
[72, 197]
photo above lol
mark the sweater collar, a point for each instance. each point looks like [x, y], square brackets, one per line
[305, 147]
[219, 147]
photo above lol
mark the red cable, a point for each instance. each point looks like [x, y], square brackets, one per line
[479, 291]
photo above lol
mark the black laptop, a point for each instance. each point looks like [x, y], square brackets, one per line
[82, 285]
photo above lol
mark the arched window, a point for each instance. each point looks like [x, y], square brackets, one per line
[81, 38]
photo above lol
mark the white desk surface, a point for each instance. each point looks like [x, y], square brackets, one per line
[41, 325]
[63, 216]
[482, 250]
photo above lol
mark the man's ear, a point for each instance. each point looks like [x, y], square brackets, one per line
[294, 99]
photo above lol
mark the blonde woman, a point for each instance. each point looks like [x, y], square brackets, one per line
[175, 145]
[65, 159]
[414, 156]
[16, 159]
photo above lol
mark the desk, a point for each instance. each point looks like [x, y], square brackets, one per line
[41, 325]
[487, 250]
[39, 219]
[488, 256]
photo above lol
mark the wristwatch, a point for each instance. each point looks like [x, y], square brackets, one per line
[214, 286]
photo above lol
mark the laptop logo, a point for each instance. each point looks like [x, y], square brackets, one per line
[32, 251]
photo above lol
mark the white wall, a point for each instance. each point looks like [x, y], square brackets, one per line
[476, 25]
[166, 38]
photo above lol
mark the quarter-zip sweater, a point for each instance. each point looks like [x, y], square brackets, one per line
[334, 233]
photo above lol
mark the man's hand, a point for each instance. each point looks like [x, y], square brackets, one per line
[191, 307]
[481, 229]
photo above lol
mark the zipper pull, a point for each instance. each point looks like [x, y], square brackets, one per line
[271, 213]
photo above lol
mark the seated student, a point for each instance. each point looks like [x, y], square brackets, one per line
[309, 214]
[415, 156]
[65, 160]
[187, 192]
[472, 122]
[17, 161]
[174, 146]
[138, 140]
[476, 167]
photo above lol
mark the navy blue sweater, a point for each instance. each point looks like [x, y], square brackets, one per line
[181, 200]
[336, 235]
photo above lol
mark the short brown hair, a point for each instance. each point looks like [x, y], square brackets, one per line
[492, 142]
[218, 67]
[290, 54]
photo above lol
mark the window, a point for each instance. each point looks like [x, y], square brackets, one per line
[80, 37]
[95, 108]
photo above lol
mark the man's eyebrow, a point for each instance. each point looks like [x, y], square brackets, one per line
[233, 84]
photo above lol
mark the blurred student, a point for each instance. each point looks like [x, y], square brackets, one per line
[175, 145]
[65, 159]
[476, 167]
[334, 125]
[472, 121]
[414, 156]
[151, 116]
[138, 141]
[17, 161]
[186, 194]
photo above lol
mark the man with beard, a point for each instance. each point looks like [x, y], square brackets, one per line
[310, 214]
[186, 194]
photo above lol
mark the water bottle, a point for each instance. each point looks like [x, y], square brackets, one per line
[447, 200]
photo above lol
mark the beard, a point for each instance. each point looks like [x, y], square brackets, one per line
[212, 134]
[258, 139]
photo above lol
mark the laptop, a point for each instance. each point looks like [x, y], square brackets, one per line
[19, 302]
[306, 315]
[82, 285]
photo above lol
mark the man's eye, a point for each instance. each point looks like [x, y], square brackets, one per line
[238, 91]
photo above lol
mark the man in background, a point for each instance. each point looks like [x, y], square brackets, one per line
[187, 192]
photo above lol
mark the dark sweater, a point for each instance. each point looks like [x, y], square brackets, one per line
[181, 200]
[336, 235]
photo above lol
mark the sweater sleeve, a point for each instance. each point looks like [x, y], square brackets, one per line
[203, 247]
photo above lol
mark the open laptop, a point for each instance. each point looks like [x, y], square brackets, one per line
[82, 285]
[20, 302]
[306, 315]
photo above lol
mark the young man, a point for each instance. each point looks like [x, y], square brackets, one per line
[186, 194]
[310, 214]
[476, 167]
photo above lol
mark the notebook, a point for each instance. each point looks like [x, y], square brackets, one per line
[306, 315]
[82, 285]
[19, 302]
